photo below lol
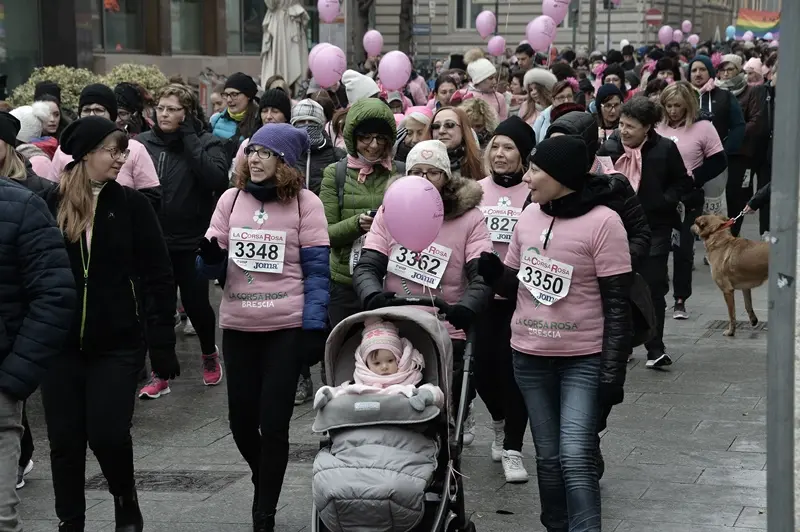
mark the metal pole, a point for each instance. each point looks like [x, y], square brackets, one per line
[576, 20]
[431, 4]
[783, 399]
[592, 25]
[608, 27]
[666, 12]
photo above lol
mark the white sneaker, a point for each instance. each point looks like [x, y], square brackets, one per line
[499, 439]
[513, 467]
[469, 427]
[765, 237]
[188, 329]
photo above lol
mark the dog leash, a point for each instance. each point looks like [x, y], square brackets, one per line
[730, 222]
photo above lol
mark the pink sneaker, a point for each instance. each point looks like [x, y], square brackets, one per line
[155, 388]
[212, 369]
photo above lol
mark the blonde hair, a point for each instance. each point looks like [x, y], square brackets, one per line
[479, 111]
[682, 91]
[487, 157]
[473, 54]
[13, 166]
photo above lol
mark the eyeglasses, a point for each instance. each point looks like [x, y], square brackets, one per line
[231, 95]
[430, 175]
[115, 153]
[93, 111]
[262, 153]
[562, 99]
[380, 140]
[610, 106]
[446, 125]
[164, 110]
[728, 70]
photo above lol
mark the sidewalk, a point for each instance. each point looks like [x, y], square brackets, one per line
[686, 451]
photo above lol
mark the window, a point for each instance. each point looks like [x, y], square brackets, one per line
[466, 11]
[120, 26]
[186, 18]
[244, 18]
[19, 45]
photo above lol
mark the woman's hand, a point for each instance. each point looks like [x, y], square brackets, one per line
[365, 222]
[747, 209]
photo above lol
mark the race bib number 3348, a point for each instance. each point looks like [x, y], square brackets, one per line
[548, 280]
[258, 250]
[425, 268]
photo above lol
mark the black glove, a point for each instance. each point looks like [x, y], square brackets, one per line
[314, 345]
[165, 363]
[379, 300]
[210, 251]
[186, 128]
[490, 267]
[460, 317]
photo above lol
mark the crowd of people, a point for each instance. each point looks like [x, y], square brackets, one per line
[277, 198]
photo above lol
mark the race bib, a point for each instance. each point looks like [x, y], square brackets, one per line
[355, 252]
[501, 221]
[548, 280]
[746, 179]
[258, 250]
[676, 238]
[425, 268]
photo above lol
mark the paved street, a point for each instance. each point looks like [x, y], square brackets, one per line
[685, 452]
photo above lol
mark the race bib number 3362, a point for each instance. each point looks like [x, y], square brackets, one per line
[425, 268]
[258, 250]
[548, 280]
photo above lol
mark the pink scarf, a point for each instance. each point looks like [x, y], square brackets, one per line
[365, 167]
[409, 369]
[708, 87]
[630, 165]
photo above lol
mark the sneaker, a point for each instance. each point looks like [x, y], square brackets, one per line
[22, 471]
[212, 369]
[469, 427]
[513, 467]
[188, 329]
[765, 237]
[679, 310]
[499, 439]
[155, 388]
[305, 391]
[658, 360]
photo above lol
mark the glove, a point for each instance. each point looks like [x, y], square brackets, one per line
[324, 395]
[421, 399]
[314, 345]
[610, 393]
[165, 363]
[187, 126]
[490, 267]
[460, 316]
[210, 251]
[379, 300]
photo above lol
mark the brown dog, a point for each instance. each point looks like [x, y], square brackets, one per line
[736, 263]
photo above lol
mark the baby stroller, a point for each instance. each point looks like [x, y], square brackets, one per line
[383, 466]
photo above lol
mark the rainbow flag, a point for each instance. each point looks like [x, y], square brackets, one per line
[759, 22]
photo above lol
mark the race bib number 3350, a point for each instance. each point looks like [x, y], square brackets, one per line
[258, 250]
[425, 268]
[548, 280]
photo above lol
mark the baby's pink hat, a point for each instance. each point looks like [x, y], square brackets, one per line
[379, 334]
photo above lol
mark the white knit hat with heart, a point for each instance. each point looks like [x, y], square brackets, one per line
[432, 152]
[480, 70]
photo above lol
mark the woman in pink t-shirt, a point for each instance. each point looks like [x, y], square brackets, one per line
[386, 267]
[570, 269]
[268, 239]
[504, 196]
[704, 157]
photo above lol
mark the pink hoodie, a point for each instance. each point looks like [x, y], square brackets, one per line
[495, 100]
[138, 171]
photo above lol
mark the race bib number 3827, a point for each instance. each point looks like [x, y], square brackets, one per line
[548, 280]
[425, 268]
[258, 250]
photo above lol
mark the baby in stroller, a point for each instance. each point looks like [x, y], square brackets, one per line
[385, 365]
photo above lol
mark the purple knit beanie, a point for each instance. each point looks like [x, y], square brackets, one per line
[285, 140]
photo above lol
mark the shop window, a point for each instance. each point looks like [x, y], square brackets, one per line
[19, 44]
[244, 18]
[121, 26]
[186, 17]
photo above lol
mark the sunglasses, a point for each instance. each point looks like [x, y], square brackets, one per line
[444, 125]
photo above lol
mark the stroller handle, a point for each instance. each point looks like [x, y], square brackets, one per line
[420, 301]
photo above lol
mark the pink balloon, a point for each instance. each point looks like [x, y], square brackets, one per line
[748, 36]
[413, 212]
[328, 10]
[773, 44]
[677, 35]
[496, 46]
[373, 42]
[541, 32]
[665, 35]
[555, 9]
[693, 39]
[485, 23]
[329, 65]
[314, 51]
[394, 70]
[686, 26]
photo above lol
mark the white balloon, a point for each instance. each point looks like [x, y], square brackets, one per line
[623, 43]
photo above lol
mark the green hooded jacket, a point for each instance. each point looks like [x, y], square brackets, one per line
[359, 198]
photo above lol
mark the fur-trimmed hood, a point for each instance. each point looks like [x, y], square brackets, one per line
[459, 196]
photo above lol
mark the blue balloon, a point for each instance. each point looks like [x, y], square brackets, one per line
[730, 32]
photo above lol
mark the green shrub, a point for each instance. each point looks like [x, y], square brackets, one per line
[148, 76]
[71, 80]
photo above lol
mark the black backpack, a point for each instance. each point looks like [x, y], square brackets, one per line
[341, 176]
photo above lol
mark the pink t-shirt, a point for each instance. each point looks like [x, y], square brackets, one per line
[501, 209]
[42, 165]
[265, 237]
[138, 171]
[696, 143]
[461, 239]
[594, 245]
[495, 100]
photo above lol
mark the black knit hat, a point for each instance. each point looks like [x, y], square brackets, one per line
[129, 97]
[9, 128]
[564, 159]
[520, 132]
[101, 95]
[277, 99]
[47, 87]
[242, 83]
[607, 91]
[616, 70]
[84, 135]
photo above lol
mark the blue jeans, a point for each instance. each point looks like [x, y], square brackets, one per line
[561, 397]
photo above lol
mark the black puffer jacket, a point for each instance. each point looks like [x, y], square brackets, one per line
[44, 188]
[664, 183]
[37, 291]
[193, 170]
[321, 158]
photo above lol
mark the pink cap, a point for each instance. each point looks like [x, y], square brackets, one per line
[420, 113]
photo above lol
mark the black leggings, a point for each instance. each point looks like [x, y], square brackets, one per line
[89, 397]
[737, 195]
[27, 439]
[494, 372]
[683, 257]
[262, 370]
[194, 296]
